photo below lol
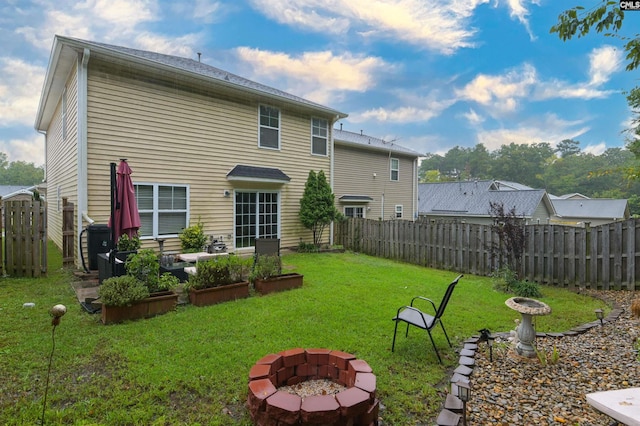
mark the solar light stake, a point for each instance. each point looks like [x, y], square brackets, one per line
[464, 392]
[56, 313]
[600, 316]
[485, 335]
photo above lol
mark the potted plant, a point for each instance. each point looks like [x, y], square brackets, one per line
[144, 265]
[127, 243]
[142, 270]
[192, 238]
[267, 276]
[218, 280]
[121, 299]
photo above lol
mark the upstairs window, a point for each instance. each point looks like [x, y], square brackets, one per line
[269, 127]
[319, 136]
[395, 169]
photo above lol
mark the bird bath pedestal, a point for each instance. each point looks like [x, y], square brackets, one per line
[526, 333]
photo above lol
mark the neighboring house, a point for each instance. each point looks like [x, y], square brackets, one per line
[204, 145]
[594, 211]
[469, 201]
[374, 178]
[576, 209]
[16, 192]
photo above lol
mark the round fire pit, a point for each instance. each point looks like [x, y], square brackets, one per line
[268, 405]
[526, 334]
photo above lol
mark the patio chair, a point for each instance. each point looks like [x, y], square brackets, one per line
[265, 247]
[417, 318]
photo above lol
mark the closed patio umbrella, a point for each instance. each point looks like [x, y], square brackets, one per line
[125, 218]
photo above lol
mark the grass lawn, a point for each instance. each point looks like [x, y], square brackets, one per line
[191, 366]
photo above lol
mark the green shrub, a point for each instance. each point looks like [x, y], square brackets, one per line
[307, 247]
[219, 271]
[192, 238]
[527, 289]
[126, 243]
[504, 280]
[122, 291]
[266, 266]
[167, 282]
[144, 266]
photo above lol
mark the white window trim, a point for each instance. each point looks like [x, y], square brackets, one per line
[364, 210]
[257, 191]
[155, 185]
[279, 128]
[391, 169]
[398, 209]
[326, 138]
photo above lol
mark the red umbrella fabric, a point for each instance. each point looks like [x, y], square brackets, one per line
[126, 216]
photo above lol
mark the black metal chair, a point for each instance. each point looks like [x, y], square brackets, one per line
[267, 246]
[417, 318]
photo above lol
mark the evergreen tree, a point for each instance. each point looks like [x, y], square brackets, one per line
[317, 209]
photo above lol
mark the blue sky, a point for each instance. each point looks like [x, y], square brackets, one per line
[428, 74]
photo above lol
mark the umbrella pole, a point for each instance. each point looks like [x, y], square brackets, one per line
[112, 253]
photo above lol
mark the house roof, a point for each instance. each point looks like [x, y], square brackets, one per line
[472, 198]
[255, 173]
[355, 198]
[9, 190]
[364, 141]
[66, 50]
[596, 208]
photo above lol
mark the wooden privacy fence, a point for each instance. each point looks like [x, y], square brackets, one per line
[25, 238]
[603, 257]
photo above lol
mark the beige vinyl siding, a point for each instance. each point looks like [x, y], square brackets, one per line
[354, 170]
[540, 215]
[62, 164]
[175, 135]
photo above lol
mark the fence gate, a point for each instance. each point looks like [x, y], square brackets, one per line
[25, 238]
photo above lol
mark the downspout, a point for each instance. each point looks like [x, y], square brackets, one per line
[331, 174]
[414, 200]
[83, 204]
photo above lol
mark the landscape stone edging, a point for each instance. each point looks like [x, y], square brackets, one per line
[450, 414]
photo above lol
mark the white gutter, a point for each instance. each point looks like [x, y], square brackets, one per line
[83, 203]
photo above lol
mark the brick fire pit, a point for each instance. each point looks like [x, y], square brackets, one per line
[357, 405]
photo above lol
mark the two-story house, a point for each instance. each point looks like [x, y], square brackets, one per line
[204, 145]
[374, 178]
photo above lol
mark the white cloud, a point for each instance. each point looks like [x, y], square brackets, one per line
[519, 9]
[178, 46]
[501, 92]
[603, 62]
[20, 87]
[473, 117]
[597, 149]
[306, 75]
[549, 128]
[104, 20]
[555, 89]
[416, 109]
[27, 150]
[442, 25]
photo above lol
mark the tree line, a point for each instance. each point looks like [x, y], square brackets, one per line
[565, 169]
[19, 172]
